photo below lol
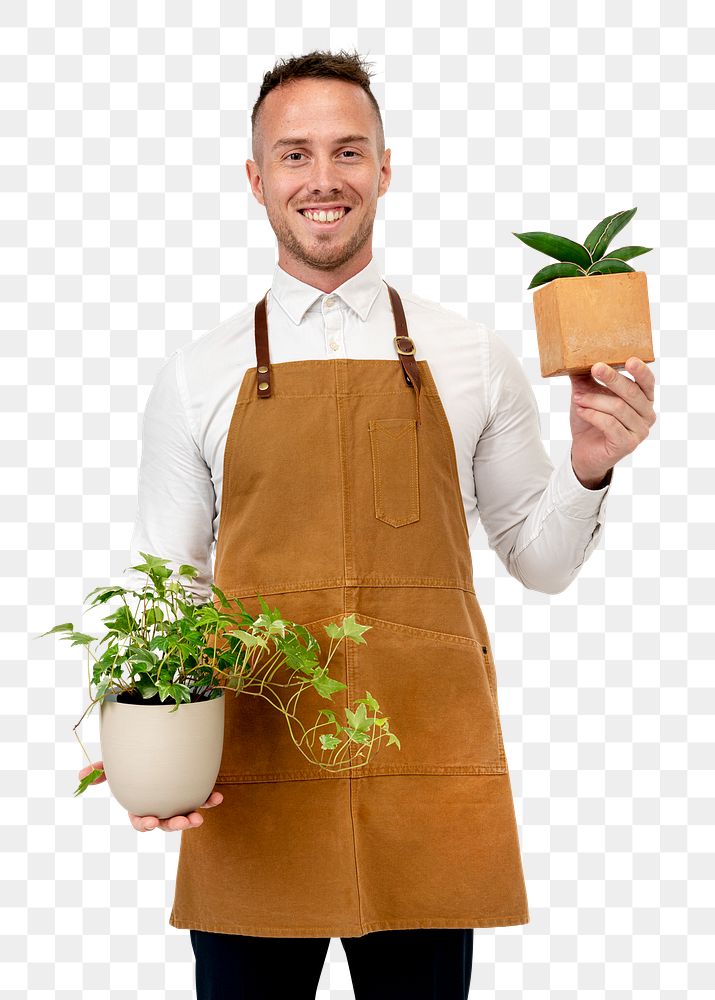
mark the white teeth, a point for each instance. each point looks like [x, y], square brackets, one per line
[322, 216]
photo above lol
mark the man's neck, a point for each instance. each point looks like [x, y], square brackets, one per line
[326, 281]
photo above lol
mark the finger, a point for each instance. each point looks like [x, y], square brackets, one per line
[625, 440]
[643, 376]
[175, 823]
[143, 823]
[214, 799]
[626, 388]
[618, 408]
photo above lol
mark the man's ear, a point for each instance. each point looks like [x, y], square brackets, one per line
[255, 181]
[385, 174]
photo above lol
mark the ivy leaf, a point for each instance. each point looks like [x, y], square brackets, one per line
[122, 621]
[327, 686]
[369, 700]
[104, 594]
[358, 719]
[350, 628]
[79, 638]
[222, 597]
[154, 616]
[65, 627]
[87, 780]
[328, 741]
[249, 639]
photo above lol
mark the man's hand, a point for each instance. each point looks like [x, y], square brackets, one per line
[609, 421]
[171, 823]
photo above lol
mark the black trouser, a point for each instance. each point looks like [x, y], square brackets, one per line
[420, 964]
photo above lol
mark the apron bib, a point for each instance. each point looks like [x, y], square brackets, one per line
[341, 496]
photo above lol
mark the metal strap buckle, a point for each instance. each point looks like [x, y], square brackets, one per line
[399, 350]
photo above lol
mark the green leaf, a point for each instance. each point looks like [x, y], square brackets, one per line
[224, 600]
[369, 700]
[153, 616]
[80, 638]
[606, 266]
[140, 657]
[328, 741]
[248, 639]
[358, 719]
[350, 629]
[146, 687]
[393, 739]
[65, 627]
[601, 235]
[556, 246]
[625, 253]
[104, 594]
[122, 621]
[552, 271]
[326, 686]
[87, 780]
[358, 736]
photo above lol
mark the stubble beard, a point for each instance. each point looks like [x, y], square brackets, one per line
[323, 254]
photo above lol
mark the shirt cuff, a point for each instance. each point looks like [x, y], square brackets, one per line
[572, 497]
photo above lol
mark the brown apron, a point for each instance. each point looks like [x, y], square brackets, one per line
[341, 496]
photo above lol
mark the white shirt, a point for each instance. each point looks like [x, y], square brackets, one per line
[540, 520]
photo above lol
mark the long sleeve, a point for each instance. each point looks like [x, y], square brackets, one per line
[175, 491]
[542, 522]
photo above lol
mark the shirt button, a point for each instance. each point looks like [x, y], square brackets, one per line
[330, 301]
[334, 345]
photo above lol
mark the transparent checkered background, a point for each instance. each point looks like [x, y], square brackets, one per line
[128, 229]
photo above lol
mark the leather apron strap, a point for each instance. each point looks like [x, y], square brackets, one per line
[403, 345]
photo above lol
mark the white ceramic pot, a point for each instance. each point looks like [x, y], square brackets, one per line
[158, 762]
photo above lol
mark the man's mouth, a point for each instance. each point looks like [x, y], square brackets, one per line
[321, 218]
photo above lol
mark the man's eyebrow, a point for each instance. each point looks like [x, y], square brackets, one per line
[302, 141]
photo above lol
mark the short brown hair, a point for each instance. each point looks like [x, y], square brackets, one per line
[319, 63]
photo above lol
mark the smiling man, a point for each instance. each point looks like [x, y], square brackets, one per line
[339, 442]
[319, 166]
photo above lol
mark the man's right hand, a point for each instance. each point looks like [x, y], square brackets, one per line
[171, 823]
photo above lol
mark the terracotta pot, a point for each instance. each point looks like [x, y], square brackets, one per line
[602, 317]
[158, 762]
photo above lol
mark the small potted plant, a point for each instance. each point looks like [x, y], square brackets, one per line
[604, 316]
[169, 649]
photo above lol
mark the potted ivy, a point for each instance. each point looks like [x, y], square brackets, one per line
[169, 649]
[604, 316]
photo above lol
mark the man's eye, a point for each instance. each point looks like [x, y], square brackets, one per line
[352, 152]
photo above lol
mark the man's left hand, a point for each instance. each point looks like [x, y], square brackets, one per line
[609, 421]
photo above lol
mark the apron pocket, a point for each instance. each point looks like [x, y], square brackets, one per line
[395, 473]
[439, 694]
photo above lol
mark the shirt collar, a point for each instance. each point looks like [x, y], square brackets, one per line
[296, 297]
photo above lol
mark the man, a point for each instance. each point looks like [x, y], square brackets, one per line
[349, 446]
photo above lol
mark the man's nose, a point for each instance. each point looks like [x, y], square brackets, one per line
[324, 174]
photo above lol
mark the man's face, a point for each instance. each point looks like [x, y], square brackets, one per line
[325, 165]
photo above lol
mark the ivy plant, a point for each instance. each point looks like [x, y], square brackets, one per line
[171, 648]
